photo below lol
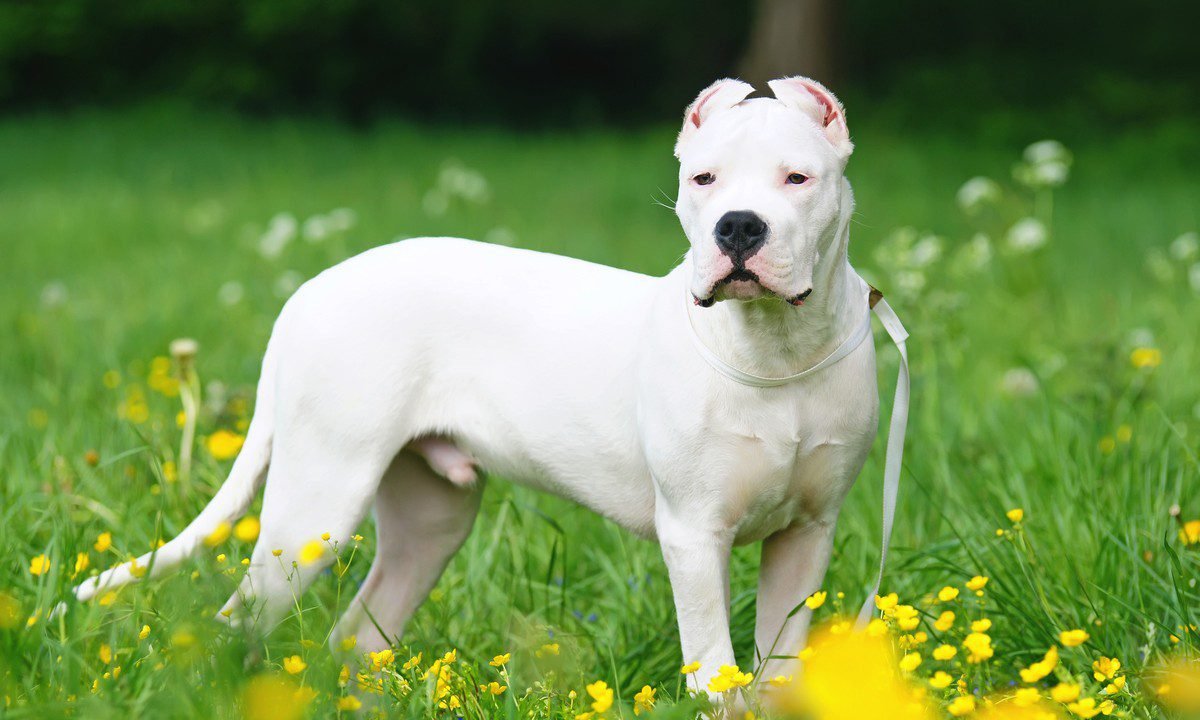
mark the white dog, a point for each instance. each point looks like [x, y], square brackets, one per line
[731, 401]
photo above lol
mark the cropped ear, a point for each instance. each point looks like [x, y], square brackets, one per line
[721, 95]
[814, 100]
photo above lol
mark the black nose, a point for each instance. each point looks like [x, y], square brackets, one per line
[740, 233]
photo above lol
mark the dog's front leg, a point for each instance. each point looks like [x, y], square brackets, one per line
[698, 564]
[794, 561]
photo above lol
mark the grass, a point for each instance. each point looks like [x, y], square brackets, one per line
[121, 229]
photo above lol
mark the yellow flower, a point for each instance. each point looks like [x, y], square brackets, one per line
[729, 677]
[815, 600]
[294, 665]
[1145, 358]
[979, 647]
[145, 633]
[103, 542]
[138, 571]
[1190, 534]
[312, 552]
[349, 643]
[10, 611]
[1015, 515]
[1073, 638]
[106, 654]
[223, 445]
[1065, 692]
[1105, 668]
[1124, 433]
[644, 700]
[977, 583]
[325, 536]
[1116, 686]
[1027, 697]
[886, 602]
[602, 695]
[82, 561]
[945, 621]
[349, 703]
[941, 680]
[547, 649]
[947, 593]
[962, 705]
[781, 681]
[493, 687]
[910, 662]
[689, 668]
[1042, 668]
[1085, 708]
[906, 617]
[219, 534]
[501, 660]
[981, 626]
[945, 652]
[247, 529]
[412, 662]
[381, 659]
[39, 565]
[273, 697]
[876, 628]
[108, 598]
[344, 676]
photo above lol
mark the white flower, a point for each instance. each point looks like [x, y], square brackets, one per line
[1160, 266]
[927, 250]
[1185, 247]
[1045, 151]
[1019, 382]
[500, 236]
[435, 202]
[287, 283]
[231, 293]
[54, 293]
[977, 191]
[1050, 174]
[1026, 235]
[1141, 337]
[280, 231]
[978, 252]
[341, 219]
[315, 229]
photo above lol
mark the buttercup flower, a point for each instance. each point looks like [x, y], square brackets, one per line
[103, 542]
[945, 621]
[311, 552]
[219, 534]
[689, 668]
[962, 705]
[1042, 668]
[1145, 358]
[1190, 534]
[945, 652]
[815, 600]
[1015, 515]
[941, 680]
[947, 593]
[39, 565]
[644, 700]
[1073, 638]
[979, 581]
[500, 660]
[602, 695]
[223, 444]
[247, 529]
[1065, 692]
[294, 665]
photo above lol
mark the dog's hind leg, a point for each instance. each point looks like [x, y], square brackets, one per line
[316, 496]
[421, 521]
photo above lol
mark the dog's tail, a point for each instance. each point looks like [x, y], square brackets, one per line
[231, 500]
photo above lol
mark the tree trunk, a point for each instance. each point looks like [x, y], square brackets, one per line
[790, 37]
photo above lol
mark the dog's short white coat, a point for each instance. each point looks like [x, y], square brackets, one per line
[411, 363]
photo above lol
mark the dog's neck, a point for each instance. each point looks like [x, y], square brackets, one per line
[771, 338]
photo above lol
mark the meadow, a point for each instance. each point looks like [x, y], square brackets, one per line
[1051, 493]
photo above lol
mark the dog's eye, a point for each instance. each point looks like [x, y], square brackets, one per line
[797, 179]
[704, 179]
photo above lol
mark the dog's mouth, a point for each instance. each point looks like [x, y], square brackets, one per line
[744, 284]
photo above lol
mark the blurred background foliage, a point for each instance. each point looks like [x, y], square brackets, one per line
[546, 62]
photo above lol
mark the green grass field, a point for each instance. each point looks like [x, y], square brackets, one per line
[122, 231]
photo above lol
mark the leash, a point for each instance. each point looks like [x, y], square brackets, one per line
[894, 457]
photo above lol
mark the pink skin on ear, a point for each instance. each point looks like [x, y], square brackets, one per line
[811, 98]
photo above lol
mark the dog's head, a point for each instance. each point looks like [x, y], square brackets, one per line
[760, 187]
